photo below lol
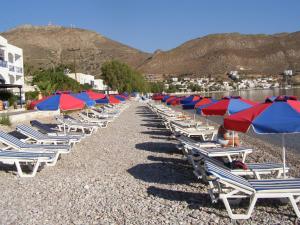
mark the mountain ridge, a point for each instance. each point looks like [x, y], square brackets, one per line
[213, 54]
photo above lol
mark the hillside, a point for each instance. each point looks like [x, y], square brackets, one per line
[44, 46]
[220, 53]
[213, 54]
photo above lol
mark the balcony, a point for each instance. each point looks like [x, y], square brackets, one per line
[3, 63]
[18, 69]
[11, 68]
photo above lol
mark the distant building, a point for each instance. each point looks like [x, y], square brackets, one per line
[97, 84]
[153, 77]
[11, 65]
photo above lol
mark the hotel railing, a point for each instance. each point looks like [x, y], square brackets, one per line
[3, 63]
[11, 68]
[18, 69]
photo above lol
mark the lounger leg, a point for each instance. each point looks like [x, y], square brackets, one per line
[295, 207]
[233, 216]
[32, 174]
[53, 163]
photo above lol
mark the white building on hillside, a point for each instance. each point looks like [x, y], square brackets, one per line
[88, 79]
[11, 65]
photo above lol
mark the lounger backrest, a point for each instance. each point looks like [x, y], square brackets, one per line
[30, 132]
[11, 140]
[227, 176]
[27, 155]
[41, 127]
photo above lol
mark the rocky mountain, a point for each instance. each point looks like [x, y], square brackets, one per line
[210, 55]
[221, 53]
[45, 46]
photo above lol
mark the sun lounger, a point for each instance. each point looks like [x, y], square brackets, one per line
[232, 187]
[187, 143]
[101, 115]
[72, 125]
[36, 159]
[227, 152]
[41, 138]
[100, 122]
[206, 133]
[254, 170]
[45, 129]
[15, 143]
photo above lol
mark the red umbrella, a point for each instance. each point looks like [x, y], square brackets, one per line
[230, 105]
[94, 95]
[60, 101]
[113, 100]
[35, 102]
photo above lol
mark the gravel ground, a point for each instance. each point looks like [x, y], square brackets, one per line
[128, 173]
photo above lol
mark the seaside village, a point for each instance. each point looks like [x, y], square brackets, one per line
[99, 156]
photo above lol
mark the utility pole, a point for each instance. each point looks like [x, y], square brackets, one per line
[74, 50]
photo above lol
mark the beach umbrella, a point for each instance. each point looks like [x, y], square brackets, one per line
[190, 98]
[119, 97]
[191, 105]
[35, 102]
[164, 99]
[170, 99]
[63, 102]
[203, 104]
[279, 115]
[109, 99]
[95, 95]
[84, 97]
[158, 97]
[227, 105]
[175, 101]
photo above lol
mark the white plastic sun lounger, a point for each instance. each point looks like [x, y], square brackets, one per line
[68, 126]
[45, 129]
[226, 152]
[101, 115]
[186, 143]
[36, 159]
[254, 170]
[41, 138]
[232, 187]
[15, 143]
[206, 133]
[95, 121]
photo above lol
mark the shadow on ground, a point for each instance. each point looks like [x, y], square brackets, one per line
[162, 173]
[153, 125]
[158, 147]
[194, 199]
[157, 132]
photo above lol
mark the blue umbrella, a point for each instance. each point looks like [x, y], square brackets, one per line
[84, 97]
[275, 115]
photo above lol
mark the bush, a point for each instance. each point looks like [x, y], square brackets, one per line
[31, 95]
[50, 81]
[119, 76]
[4, 120]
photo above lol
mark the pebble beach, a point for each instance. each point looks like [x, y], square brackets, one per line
[129, 173]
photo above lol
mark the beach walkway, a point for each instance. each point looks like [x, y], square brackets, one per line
[128, 173]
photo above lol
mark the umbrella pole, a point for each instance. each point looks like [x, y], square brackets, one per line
[194, 115]
[283, 154]
[233, 136]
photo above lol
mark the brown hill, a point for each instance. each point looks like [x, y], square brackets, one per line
[44, 46]
[220, 53]
[213, 54]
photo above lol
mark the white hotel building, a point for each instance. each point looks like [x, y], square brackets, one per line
[11, 66]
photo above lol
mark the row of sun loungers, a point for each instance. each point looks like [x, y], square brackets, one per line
[230, 178]
[44, 144]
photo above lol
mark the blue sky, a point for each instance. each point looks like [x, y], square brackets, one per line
[156, 24]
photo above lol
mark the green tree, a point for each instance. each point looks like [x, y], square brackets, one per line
[120, 76]
[49, 81]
